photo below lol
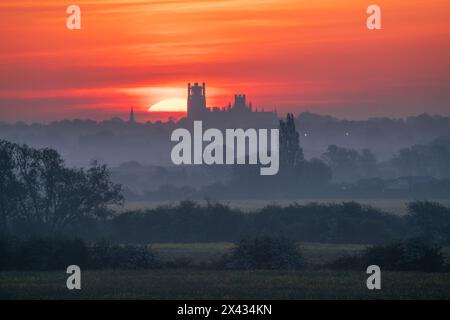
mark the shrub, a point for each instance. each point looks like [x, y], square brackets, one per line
[410, 255]
[429, 220]
[107, 256]
[265, 253]
[50, 253]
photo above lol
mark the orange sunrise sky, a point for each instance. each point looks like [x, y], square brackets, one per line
[291, 55]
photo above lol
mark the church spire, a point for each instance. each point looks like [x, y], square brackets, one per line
[132, 119]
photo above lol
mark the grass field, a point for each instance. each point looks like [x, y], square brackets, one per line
[223, 284]
[213, 284]
[394, 206]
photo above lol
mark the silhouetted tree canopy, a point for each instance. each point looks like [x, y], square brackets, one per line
[349, 164]
[291, 154]
[38, 190]
[430, 159]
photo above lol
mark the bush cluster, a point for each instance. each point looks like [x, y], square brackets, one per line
[347, 222]
[54, 253]
[265, 252]
[410, 255]
[250, 253]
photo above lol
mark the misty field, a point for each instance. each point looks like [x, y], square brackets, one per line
[394, 206]
[213, 284]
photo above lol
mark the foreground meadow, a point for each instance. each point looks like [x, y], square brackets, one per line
[214, 284]
[197, 283]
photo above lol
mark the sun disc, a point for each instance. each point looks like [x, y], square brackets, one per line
[169, 105]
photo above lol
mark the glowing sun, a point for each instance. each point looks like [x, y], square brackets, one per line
[169, 105]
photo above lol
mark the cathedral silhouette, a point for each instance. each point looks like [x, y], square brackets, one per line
[240, 112]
